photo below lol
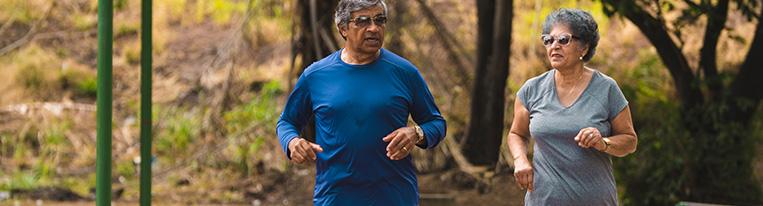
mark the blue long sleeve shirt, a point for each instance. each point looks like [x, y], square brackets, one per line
[355, 106]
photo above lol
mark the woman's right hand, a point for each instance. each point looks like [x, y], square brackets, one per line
[523, 173]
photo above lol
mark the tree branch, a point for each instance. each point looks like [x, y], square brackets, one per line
[696, 6]
[449, 42]
[716, 20]
[314, 27]
[669, 52]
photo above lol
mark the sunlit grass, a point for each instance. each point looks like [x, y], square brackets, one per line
[42, 74]
[24, 11]
[181, 128]
[83, 21]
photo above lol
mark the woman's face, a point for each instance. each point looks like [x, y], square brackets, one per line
[563, 49]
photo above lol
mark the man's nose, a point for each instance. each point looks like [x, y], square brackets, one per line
[373, 27]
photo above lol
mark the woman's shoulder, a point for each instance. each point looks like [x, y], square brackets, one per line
[537, 86]
[603, 80]
[540, 80]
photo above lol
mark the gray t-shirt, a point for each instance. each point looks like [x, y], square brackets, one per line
[563, 172]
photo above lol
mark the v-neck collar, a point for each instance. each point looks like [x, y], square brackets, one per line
[577, 99]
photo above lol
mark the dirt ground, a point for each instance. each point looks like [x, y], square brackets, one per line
[446, 188]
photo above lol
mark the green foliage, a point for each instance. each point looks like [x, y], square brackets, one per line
[220, 11]
[54, 139]
[126, 29]
[176, 7]
[87, 87]
[125, 168]
[181, 127]
[81, 82]
[77, 185]
[673, 163]
[42, 170]
[40, 175]
[33, 78]
[19, 180]
[255, 120]
[263, 110]
[245, 153]
[27, 144]
[132, 54]
[120, 5]
[83, 21]
[43, 74]
[653, 175]
[723, 153]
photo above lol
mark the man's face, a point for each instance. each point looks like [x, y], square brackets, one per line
[365, 31]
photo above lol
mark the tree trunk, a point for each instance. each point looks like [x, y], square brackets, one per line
[483, 140]
[747, 84]
[395, 25]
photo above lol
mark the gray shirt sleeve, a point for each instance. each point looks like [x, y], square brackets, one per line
[617, 101]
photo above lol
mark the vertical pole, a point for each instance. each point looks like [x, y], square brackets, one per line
[145, 104]
[103, 110]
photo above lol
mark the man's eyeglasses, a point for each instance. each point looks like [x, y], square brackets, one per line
[364, 21]
[562, 39]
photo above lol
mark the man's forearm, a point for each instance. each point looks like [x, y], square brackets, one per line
[434, 131]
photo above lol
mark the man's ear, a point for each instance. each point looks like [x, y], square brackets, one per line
[342, 31]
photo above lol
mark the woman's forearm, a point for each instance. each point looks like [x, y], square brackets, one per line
[621, 145]
[517, 146]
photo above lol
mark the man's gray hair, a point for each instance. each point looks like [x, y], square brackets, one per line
[581, 23]
[345, 8]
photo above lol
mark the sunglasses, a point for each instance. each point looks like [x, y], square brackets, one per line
[562, 39]
[364, 21]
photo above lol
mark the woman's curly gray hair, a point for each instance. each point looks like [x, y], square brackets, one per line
[345, 8]
[582, 25]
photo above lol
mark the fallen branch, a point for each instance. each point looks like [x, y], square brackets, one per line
[54, 107]
[28, 36]
[462, 162]
[7, 24]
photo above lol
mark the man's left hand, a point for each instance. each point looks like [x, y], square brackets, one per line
[401, 142]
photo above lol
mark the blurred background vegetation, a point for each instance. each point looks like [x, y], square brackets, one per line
[223, 69]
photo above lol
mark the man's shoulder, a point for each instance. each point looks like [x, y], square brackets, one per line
[397, 61]
[326, 62]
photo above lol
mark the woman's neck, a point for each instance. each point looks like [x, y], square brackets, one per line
[570, 76]
[358, 58]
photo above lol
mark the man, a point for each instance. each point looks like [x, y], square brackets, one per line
[361, 97]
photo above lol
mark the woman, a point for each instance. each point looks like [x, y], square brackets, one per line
[577, 116]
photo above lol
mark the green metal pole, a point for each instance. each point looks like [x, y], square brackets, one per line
[103, 110]
[145, 104]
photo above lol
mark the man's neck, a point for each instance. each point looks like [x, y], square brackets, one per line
[358, 58]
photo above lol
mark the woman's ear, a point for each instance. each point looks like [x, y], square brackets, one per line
[584, 51]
